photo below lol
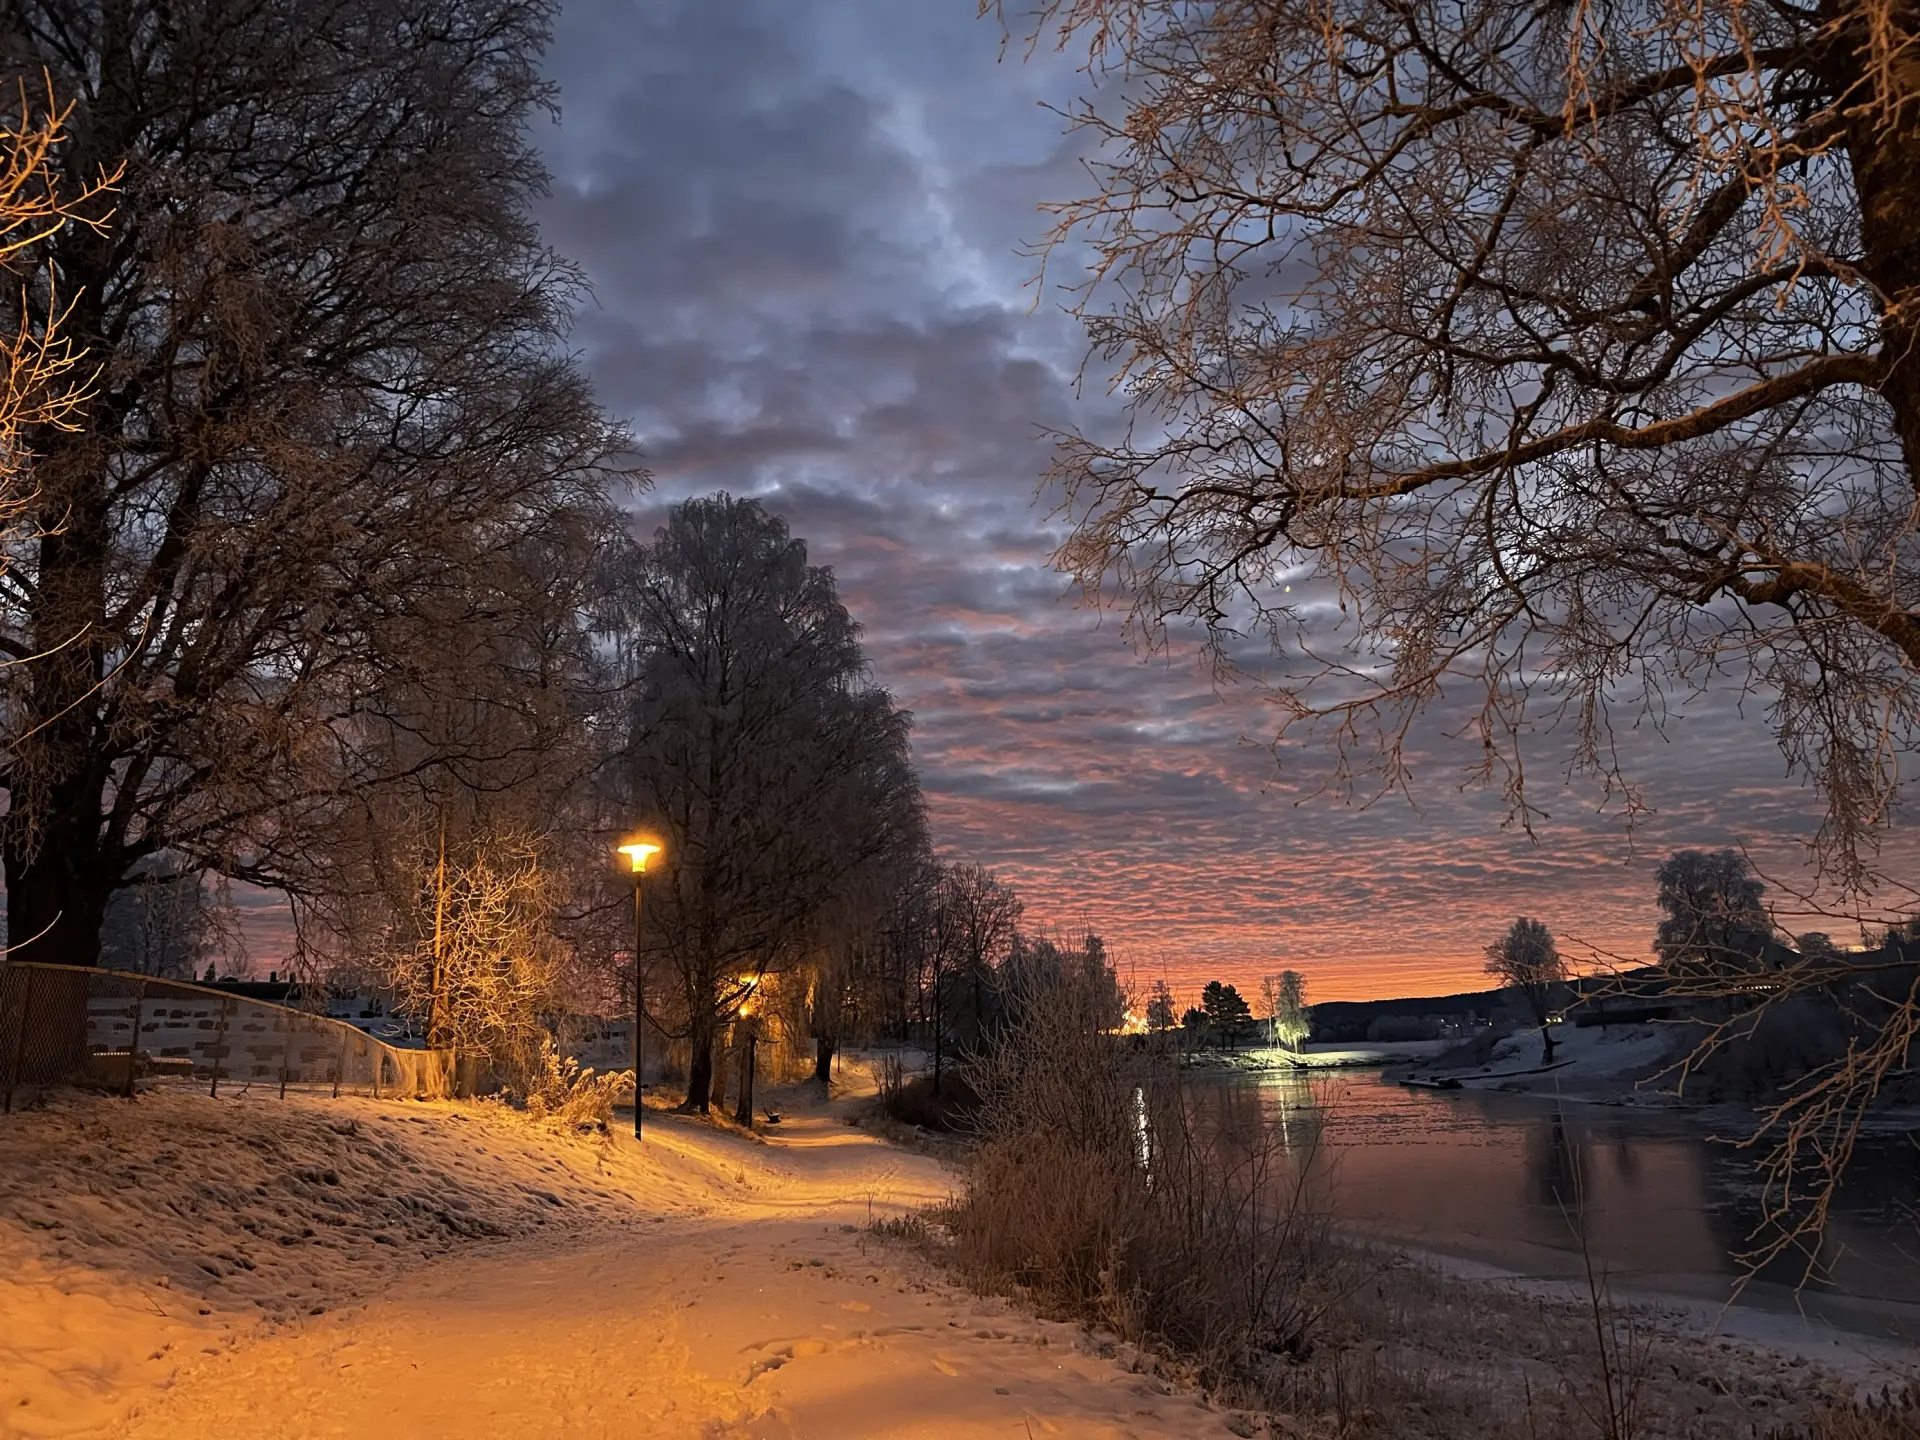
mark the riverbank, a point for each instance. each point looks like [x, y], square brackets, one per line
[1608, 1064]
[1259, 1059]
[311, 1267]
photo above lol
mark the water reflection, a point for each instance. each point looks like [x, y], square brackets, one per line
[1522, 1184]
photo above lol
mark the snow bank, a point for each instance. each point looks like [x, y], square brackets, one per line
[134, 1232]
[1597, 1061]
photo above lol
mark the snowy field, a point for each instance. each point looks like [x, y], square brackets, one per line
[245, 1266]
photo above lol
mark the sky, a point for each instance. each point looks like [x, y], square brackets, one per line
[804, 222]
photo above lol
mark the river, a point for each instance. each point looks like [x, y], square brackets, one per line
[1515, 1182]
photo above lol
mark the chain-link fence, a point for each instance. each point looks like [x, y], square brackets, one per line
[66, 1024]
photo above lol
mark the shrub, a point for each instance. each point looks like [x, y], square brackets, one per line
[1769, 1052]
[1102, 1190]
[558, 1089]
[915, 1102]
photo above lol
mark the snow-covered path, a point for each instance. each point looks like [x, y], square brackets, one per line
[710, 1286]
[762, 1328]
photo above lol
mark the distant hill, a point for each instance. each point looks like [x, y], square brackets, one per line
[1346, 1022]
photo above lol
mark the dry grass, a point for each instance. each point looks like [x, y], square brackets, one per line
[1890, 1416]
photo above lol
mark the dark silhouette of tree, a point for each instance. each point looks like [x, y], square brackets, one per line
[978, 922]
[335, 457]
[1564, 343]
[1161, 1016]
[1227, 1013]
[780, 776]
[1714, 917]
[1527, 962]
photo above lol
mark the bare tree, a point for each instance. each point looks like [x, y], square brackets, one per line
[977, 920]
[781, 777]
[159, 923]
[851, 950]
[1162, 1015]
[330, 394]
[484, 964]
[1570, 349]
[1527, 962]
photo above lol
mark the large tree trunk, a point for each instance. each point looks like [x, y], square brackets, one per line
[744, 1115]
[58, 882]
[717, 1096]
[55, 900]
[700, 1066]
[1882, 146]
[823, 1049]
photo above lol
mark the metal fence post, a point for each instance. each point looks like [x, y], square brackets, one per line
[220, 1043]
[19, 1040]
[133, 1045]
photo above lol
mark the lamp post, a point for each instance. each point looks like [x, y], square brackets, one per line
[638, 853]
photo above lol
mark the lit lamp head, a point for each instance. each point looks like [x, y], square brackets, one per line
[639, 852]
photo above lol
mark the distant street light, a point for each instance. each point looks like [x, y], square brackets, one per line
[638, 853]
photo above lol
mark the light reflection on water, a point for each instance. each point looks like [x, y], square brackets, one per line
[1517, 1181]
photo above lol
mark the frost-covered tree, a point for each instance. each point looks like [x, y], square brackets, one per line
[482, 972]
[1575, 348]
[1528, 963]
[44, 378]
[1285, 999]
[1714, 919]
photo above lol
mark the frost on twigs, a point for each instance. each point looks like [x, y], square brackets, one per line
[578, 1099]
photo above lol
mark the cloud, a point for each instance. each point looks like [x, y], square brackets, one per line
[803, 225]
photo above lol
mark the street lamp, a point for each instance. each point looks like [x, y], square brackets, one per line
[638, 853]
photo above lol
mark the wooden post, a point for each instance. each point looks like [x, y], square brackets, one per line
[19, 1040]
[287, 1030]
[340, 1068]
[133, 1045]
